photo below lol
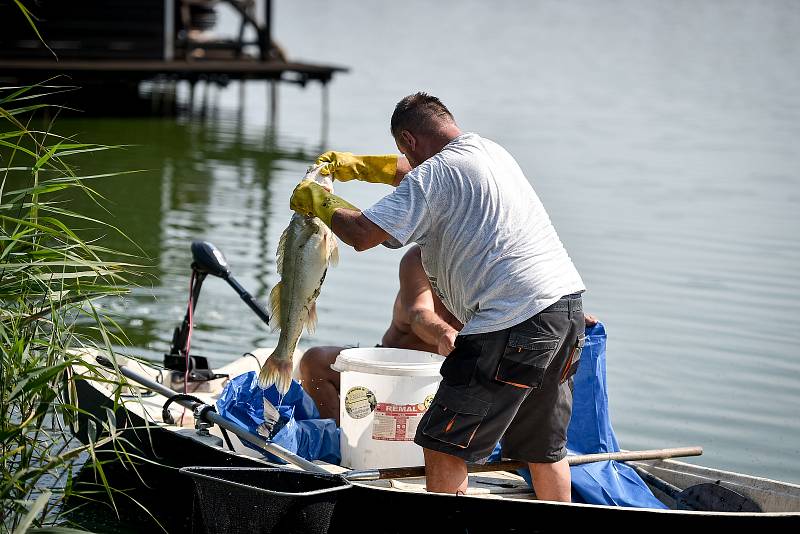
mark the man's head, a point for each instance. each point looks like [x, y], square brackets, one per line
[421, 126]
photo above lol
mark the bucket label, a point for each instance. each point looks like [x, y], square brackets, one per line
[359, 402]
[397, 422]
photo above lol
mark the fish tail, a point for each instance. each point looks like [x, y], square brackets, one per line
[277, 372]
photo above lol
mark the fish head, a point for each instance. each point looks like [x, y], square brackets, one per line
[325, 180]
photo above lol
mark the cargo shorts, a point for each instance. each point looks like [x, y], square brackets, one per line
[515, 384]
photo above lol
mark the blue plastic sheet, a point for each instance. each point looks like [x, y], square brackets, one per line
[590, 431]
[301, 430]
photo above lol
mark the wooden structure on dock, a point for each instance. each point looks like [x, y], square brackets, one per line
[116, 44]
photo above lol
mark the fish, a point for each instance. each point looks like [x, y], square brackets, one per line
[305, 250]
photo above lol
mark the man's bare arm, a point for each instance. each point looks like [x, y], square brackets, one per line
[417, 295]
[356, 230]
[430, 328]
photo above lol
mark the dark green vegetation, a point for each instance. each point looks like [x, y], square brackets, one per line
[51, 279]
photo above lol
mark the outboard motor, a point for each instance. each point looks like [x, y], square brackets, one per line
[207, 260]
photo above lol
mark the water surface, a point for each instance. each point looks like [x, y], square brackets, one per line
[661, 137]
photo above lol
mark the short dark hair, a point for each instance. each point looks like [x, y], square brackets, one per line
[419, 113]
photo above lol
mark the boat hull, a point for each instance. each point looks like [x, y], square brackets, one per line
[381, 507]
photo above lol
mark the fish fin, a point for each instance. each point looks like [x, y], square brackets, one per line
[271, 417]
[329, 249]
[275, 306]
[333, 251]
[271, 414]
[311, 322]
[281, 247]
[277, 372]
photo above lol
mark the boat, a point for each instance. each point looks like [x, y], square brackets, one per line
[180, 453]
[173, 443]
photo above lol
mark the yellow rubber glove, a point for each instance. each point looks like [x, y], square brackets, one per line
[310, 198]
[345, 166]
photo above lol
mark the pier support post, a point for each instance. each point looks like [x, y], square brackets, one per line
[273, 103]
[204, 103]
[325, 119]
[192, 84]
[266, 37]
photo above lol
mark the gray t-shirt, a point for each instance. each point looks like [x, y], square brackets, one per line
[488, 246]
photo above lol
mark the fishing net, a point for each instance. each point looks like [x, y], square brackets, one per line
[264, 500]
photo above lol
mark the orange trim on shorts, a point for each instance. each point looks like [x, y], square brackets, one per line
[569, 365]
[522, 386]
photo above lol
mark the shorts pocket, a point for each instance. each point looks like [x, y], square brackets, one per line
[454, 417]
[574, 360]
[459, 367]
[526, 360]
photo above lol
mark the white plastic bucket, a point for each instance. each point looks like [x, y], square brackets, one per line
[384, 393]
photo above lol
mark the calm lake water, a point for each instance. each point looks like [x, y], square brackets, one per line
[662, 137]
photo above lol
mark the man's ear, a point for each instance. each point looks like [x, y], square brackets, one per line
[408, 140]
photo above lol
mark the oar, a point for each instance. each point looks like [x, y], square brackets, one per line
[206, 413]
[510, 465]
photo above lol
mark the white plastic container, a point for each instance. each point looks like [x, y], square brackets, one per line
[384, 393]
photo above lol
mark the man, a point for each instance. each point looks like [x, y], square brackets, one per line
[419, 321]
[494, 259]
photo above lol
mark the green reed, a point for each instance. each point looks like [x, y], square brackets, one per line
[50, 282]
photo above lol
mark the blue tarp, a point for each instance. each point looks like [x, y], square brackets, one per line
[301, 431]
[590, 431]
[305, 434]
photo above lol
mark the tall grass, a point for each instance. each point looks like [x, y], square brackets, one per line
[50, 280]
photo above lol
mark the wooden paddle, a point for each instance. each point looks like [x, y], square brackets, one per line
[510, 465]
[208, 414]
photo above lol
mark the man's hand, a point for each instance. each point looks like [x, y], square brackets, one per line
[345, 166]
[310, 198]
[447, 343]
[590, 320]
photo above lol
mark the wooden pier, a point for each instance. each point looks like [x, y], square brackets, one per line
[37, 70]
[108, 47]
